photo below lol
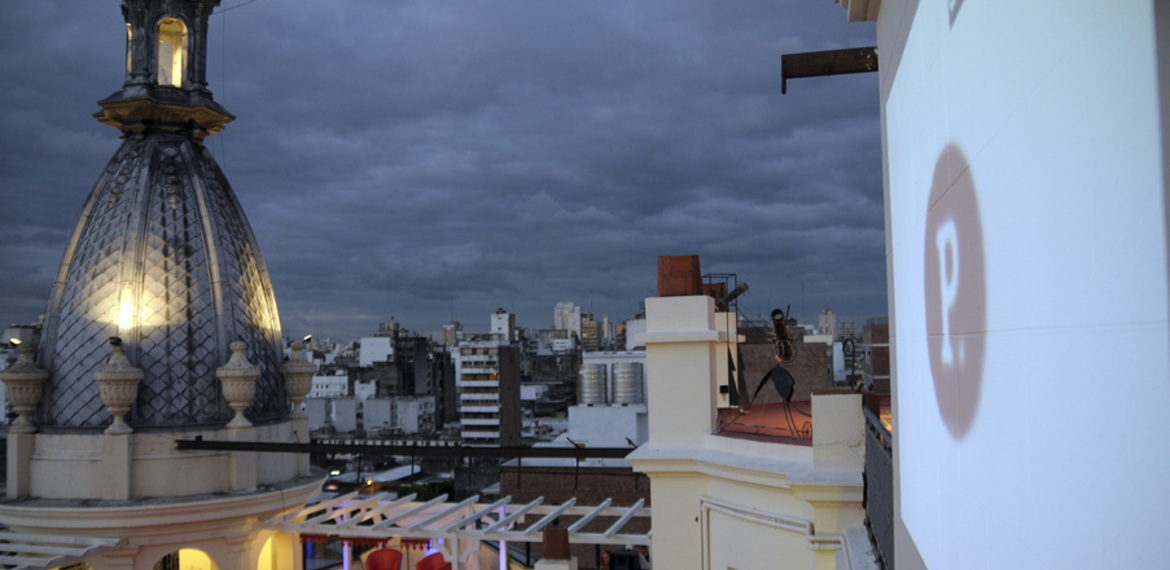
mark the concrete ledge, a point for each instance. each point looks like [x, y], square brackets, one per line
[747, 469]
[660, 337]
[53, 515]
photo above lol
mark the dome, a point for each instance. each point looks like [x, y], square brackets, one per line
[162, 257]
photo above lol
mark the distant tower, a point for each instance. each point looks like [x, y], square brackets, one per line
[161, 325]
[827, 323]
[504, 324]
[567, 316]
[162, 255]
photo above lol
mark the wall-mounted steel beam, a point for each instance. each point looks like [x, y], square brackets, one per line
[408, 450]
[832, 62]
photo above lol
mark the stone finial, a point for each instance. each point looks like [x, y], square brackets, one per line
[239, 383]
[24, 382]
[298, 377]
[118, 381]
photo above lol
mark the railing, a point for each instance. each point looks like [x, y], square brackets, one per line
[879, 487]
[782, 422]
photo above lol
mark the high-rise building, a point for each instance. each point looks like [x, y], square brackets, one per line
[452, 333]
[489, 392]
[590, 336]
[504, 324]
[847, 329]
[827, 323]
[567, 317]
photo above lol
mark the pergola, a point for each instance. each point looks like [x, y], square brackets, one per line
[456, 529]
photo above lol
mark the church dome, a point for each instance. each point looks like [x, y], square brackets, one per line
[163, 258]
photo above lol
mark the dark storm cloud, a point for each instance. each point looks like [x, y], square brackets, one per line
[407, 158]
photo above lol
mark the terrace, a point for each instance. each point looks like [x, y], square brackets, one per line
[457, 532]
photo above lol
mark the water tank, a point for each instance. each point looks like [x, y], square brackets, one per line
[627, 383]
[591, 385]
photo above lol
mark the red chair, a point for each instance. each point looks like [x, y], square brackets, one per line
[434, 561]
[384, 559]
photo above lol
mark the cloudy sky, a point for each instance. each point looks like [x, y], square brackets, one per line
[417, 158]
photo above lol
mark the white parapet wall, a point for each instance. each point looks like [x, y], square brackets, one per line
[722, 502]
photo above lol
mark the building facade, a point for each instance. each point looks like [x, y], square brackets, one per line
[489, 392]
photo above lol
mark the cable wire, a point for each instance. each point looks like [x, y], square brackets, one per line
[240, 5]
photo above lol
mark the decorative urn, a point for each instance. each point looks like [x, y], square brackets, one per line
[118, 381]
[239, 383]
[24, 383]
[298, 377]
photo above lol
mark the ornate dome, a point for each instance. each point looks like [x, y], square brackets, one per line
[162, 255]
[164, 258]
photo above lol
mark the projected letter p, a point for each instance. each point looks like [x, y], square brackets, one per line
[947, 240]
[954, 291]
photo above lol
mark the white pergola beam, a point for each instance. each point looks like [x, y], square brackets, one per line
[590, 516]
[478, 514]
[379, 510]
[444, 513]
[408, 512]
[515, 515]
[319, 506]
[625, 518]
[549, 517]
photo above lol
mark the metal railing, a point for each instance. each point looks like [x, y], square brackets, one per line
[778, 421]
[879, 487]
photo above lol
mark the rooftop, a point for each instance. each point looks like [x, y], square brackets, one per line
[781, 422]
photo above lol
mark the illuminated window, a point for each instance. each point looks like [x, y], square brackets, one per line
[172, 51]
[185, 559]
[129, 46]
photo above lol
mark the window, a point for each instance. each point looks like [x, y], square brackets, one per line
[129, 47]
[172, 51]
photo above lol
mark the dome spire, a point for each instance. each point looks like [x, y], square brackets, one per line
[166, 70]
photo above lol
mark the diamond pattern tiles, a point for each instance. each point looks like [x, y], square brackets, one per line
[252, 309]
[177, 340]
[144, 243]
[86, 315]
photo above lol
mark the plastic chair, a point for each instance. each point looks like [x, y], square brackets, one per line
[433, 561]
[384, 559]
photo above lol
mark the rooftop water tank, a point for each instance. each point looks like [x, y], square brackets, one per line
[627, 383]
[591, 385]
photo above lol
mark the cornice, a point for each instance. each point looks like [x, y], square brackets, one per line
[777, 473]
[109, 518]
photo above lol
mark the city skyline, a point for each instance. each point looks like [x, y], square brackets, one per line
[427, 161]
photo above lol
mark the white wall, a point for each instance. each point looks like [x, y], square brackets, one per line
[375, 349]
[634, 328]
[562, 345]
[1027, 239]
[317, 410]
[608, 426]
[839, 371]
[378, 413]
[344, 414]
[414, 412]
[365, 390]
[329, 387]
[533, 391]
